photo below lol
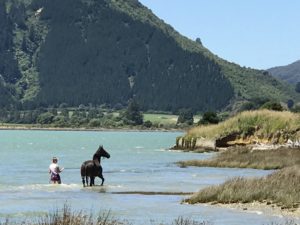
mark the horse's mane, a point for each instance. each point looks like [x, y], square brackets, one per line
[97, 156]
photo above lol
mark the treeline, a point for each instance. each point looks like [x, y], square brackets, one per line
[82, 116]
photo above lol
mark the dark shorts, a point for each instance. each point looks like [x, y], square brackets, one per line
[55, 178]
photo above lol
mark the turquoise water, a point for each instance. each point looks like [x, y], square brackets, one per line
[140, 161]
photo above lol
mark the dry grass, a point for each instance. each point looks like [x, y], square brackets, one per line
[281, 188]
[68, 217]
[246, 158]
[267, 121]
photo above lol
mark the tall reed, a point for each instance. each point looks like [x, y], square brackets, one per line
[281, 188]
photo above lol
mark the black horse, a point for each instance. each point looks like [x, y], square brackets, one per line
[92, 168]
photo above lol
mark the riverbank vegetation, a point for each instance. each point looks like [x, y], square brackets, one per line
[264, 124]
[253, 129]
[257, 127]
[67, 216]
[242, 157]
[281, 188]
[97, 117]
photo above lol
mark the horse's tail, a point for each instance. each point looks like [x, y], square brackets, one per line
[83, 174]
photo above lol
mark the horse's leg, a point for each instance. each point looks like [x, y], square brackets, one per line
[83, 174]
[87, 180]
[93, 181]
[100, 175]
[83, 181]
[102, 178]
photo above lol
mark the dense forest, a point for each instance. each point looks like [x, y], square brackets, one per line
[107, 52]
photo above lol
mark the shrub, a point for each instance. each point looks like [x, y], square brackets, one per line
[95, 123]
[209, 118]
[45, 118]
[276, 106]
[185, 116]
[147, 124]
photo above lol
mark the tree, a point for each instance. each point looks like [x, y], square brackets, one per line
[65, 112]
[60, 121]
[95, 123]
[185, 116]
[290, 103]
[24, 45]
[147, 124]
[28, 117]
[92, 113]
[297, 89]
[133, 115]
[198, 40]
[45, 118]
[276, 106]
[209, 118]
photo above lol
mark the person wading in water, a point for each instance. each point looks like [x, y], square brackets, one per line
[54, 171]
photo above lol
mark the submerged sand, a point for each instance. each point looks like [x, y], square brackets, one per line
[262, 208]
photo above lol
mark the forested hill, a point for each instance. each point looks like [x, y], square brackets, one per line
[289, 73]
[108, 51]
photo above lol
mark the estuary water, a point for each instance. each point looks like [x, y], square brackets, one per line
[140, 162]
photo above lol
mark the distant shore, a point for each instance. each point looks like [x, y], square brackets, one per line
[33, 127]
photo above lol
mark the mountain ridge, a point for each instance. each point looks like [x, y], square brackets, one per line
[289, 73]
[109, 51]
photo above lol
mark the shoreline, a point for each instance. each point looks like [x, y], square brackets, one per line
[260, 208]
[32, 128]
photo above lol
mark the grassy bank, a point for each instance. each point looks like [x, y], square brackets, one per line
[281, 188]
[247, 158]
[261, 125]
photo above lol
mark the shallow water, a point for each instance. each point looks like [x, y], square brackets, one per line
[140, 162]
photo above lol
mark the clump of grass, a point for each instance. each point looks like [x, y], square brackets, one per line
[67, 217]
[281, 188]
[187, 221]
[264, 121]
[247, 158]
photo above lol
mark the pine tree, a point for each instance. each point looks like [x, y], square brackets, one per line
[133, 115]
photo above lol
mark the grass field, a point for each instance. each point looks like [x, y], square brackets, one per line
[165, 118]
[161, 118]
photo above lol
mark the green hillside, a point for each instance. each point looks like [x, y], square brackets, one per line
[289, 73]
[108, 51]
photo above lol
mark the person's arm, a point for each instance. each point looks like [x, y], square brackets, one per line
[59, 170]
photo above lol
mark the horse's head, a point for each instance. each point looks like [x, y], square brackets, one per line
[102, 153]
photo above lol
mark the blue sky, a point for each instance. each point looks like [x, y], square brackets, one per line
[253, 33]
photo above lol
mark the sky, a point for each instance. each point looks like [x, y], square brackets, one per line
[254, 33]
